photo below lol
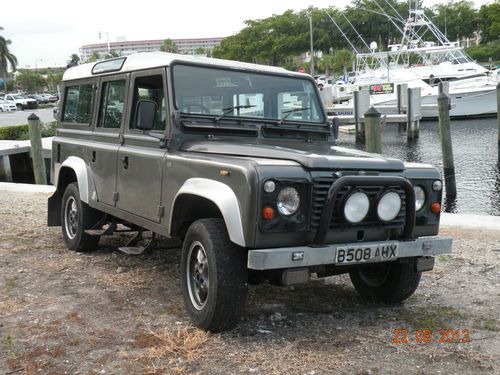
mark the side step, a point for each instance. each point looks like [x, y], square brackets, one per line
[132, 248]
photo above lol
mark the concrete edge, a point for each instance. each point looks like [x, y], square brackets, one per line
[26, 188]
[472, 221]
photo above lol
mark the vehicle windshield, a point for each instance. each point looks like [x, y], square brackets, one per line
[229, 93]
[18, 97]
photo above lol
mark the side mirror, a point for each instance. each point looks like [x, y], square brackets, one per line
[145, 115]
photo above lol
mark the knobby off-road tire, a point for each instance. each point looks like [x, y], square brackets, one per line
[388, 282]
[213, 276]
[76, 217]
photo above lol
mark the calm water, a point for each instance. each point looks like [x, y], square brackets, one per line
[475, 152]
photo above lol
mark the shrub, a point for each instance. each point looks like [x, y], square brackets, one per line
[21, 132]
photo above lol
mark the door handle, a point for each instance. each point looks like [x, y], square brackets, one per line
[125, 162]
[94, 155]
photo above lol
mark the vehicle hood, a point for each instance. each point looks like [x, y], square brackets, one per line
[310, 155]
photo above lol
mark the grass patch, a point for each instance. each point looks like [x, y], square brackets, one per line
[444, 258]
[185, 342]
[10, 283]
[486, 325]
[9, 345]
[433, 318]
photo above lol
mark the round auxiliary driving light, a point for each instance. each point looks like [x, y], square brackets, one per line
[269, 186]
[288, 201]
[356, 207]
[437, 185]
[419, 198]
[389, 206]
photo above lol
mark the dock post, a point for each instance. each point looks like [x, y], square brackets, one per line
[35, 133]
[444, 87]
[446, 146]
[372, 127]
[402, 103]
[410, 127]
[498, 119]
[361, 105]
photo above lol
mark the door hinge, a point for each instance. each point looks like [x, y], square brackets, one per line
[115, 196]
[161, 211]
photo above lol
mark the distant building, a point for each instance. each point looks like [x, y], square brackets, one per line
[184, 46]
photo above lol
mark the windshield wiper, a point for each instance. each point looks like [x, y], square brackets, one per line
[225, 111]
[290, 111]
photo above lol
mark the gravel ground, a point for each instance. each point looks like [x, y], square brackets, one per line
[109, 313]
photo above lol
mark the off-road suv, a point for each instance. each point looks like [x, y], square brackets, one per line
[239, 162]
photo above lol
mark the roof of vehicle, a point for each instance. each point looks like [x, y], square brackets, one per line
[148, 60]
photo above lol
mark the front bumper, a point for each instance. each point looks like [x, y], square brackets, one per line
[307, 256]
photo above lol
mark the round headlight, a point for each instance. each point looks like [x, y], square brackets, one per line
[356, 207]
[437, 185]
[288, 201]
[419, 198]
[269, 186]
[389, 206]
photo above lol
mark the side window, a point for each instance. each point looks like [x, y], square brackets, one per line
[150, 88]
[78, 102]
[112, 104]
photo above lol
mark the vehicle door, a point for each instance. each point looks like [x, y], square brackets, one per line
[140, 158]
[113, 92]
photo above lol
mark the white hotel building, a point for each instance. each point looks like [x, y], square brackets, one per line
[184, 46]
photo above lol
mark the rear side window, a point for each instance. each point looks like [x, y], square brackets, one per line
[78, 102]
[150, 88]
[112, 104]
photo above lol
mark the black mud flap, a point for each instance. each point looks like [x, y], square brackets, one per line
[54, 210]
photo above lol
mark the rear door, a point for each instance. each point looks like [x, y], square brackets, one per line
[107, 136]
[140, 158]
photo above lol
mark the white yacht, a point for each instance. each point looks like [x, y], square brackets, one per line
[424, 64]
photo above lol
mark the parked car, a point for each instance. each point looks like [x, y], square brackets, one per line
[51, 97]
[6, 106]
[39, 98]
[21, 102]
[239, 162]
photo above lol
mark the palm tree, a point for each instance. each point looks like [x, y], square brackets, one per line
[6, 59]
[168, 46]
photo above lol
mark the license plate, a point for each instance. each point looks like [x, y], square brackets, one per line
[367, 253]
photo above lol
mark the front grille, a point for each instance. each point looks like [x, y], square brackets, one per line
[321, 185]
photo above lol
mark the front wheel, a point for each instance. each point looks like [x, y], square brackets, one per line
[76, 217]
[387, 282]
[213, 276]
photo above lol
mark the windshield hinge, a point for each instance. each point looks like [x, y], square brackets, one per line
[115, 196]
[161, 211]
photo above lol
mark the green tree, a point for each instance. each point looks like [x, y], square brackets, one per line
[30, 81]
[6, 59]
[200, 51]
[489, 22]
[343, 58]
[168, 45]
[458, 18]
[74, 59]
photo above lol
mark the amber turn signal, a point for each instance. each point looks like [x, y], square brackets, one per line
[267, 213]
[436, 207]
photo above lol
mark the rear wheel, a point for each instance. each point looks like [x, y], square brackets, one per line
[76, 217]
[214, 276]
[387, 282]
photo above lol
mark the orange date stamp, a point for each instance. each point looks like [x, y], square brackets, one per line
[427, 336]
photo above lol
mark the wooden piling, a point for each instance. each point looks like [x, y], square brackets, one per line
[413, 112]
[446, 145]
[35, 133]
[498, 119]
[402, 103]
[372, 129]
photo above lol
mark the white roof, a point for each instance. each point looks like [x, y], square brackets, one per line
[148, 60]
